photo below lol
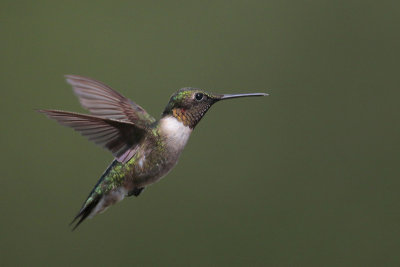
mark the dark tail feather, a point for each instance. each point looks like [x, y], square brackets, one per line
[84, 213]
[88, 207]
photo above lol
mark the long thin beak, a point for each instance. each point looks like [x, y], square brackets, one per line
[222, 97]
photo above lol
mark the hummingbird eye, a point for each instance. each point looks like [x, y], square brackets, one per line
[198, 96]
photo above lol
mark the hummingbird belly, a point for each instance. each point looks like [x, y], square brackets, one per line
[156, 157]
[150, 167]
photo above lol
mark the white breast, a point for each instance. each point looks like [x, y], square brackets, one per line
[175, 132]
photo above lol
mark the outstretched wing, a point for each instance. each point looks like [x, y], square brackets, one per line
[119, 137]
[101, 100]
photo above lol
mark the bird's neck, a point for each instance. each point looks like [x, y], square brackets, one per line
[188, 116]
[175, 132]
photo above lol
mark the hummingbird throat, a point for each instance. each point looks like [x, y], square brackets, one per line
[183, 116]
[189, 118]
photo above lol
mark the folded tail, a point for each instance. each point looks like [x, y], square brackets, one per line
[95, 202]
[85, 212]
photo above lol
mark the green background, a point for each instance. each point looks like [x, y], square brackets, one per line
[308, 176]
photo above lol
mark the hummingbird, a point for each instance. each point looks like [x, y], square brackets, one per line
[144, 149]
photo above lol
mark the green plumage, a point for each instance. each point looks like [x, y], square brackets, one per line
[145, 149]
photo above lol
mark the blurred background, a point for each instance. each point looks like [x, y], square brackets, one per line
[308, 176]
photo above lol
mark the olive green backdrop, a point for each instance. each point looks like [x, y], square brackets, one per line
[308, 176]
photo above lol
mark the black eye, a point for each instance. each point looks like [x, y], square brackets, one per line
[199, 96]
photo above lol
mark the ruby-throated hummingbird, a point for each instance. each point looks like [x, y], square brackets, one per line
[145, 149]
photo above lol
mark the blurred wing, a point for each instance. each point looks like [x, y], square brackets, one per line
[101, 100]
[119, 137]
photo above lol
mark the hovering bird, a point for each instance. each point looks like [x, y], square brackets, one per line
[145, 149]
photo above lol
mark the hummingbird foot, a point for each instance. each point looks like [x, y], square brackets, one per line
[135, 191]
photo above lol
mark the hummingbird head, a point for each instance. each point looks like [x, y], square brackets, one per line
[189, 105]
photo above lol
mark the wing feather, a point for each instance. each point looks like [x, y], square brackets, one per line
[119, 137]
[102, 101]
